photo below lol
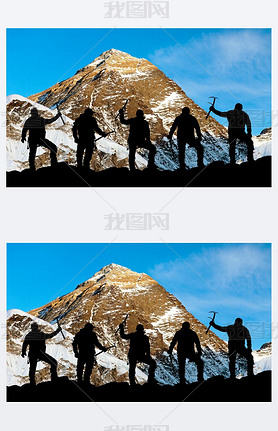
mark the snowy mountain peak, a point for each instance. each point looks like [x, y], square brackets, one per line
[114, 51]
[112, 266]
[115, 55]
[116, 275]
[265, 345]
[119, 62]
[105, 271]
[12, 97]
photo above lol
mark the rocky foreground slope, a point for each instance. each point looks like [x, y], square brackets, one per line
[217, 174]
[216, 389]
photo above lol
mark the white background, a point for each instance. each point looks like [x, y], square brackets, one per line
[196, 215]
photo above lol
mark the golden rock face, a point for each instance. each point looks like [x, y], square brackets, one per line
[112, 78]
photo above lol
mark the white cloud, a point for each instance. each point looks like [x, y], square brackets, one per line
[234, 278]
[217, 53]
[234, 65]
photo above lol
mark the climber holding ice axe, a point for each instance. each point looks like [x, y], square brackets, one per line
[139, 136]
[238, 120]
[34, 126]
[83, 130]
[35, 341]
[237, 334]
[187, 341]
[187, 125]
[84, 344]
[139, 351]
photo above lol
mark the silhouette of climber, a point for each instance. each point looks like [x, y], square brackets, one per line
[83, 130]
[84, 344]
[187, 339]
[36, 342]
[139, 137]
[139, 351]
[237, 120]
[237, 334]
[187, 125]
[36, 127]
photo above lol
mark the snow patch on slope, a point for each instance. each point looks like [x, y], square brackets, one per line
[40, 107]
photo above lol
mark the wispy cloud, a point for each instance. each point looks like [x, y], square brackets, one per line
[243, 52]
[234, 65]
[235, 279]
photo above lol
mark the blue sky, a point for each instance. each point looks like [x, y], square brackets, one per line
[233, 279]
[232, 64]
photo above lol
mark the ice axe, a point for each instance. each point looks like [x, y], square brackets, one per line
[108, 348]
[123, 108]
[211, 105]
[212, 320]
[57, 106]
[109, 133]
[58, 323]
[123, 323]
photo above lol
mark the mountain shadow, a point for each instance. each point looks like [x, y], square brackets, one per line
[215, 389]
[216, 174]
